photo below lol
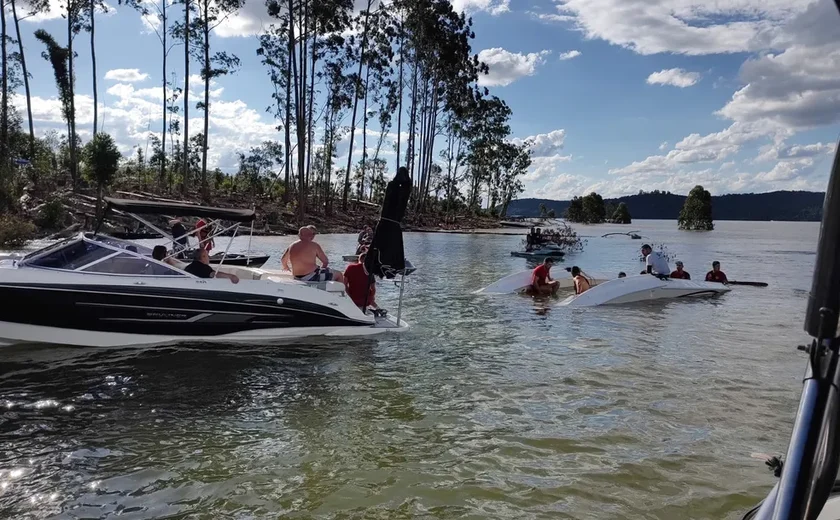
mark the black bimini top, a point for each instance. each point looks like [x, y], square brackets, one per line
[145, 207]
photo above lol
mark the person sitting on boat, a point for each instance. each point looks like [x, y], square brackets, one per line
[581, 283]
[679, 273]
[203, 232]
[361, 288]
[716, 275]
[302, 256]
[541, 281]
[200, 267]
[655, 262]
[159, 254]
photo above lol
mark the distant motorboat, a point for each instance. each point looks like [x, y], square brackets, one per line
[543, 251]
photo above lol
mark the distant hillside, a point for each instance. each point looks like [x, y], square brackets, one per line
[776, 205]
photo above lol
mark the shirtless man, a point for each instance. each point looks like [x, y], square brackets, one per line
[300, 258]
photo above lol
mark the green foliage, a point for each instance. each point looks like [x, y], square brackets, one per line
[101, 158]
[551, 213]
[696, 214]
[14, 232]
[621, 214]
[587, 210]
[52, 213]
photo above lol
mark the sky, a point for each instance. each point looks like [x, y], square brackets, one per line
[617, 95]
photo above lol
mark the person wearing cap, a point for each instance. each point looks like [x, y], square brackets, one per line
[541, 281]
[302, 257]
[716, 275]
[655, 262]
[581, 283]
[679, 273]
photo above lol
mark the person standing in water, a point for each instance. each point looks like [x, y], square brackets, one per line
[655, 262]
[581, 283]
[716, 275]
[679, 273]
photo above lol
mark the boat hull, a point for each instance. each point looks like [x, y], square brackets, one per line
[92, 310]
[538, 254]
[642, 288]
[519, 281]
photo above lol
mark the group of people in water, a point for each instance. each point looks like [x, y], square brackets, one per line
[655, 264]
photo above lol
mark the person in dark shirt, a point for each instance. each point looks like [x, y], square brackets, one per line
[716, 275]
[679, 273]
[179, 233]
[356, 283]
[200, 267]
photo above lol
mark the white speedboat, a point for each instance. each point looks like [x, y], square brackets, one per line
[642, 288]
[521, 280]
[95, 290]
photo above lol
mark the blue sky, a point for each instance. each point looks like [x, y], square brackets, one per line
[619, 95]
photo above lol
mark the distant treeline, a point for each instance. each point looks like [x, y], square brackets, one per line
[776, 205]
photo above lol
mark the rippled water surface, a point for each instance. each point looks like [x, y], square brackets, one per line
[490, 407]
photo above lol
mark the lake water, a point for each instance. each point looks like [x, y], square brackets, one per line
[490, 407]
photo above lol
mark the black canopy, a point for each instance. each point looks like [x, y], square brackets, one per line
[386, 257]
[144, 207]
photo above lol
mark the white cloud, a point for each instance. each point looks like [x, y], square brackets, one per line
[506, 67]
[692, 27]
[570, 55]
[674, 77]
[663, 146]
[126, 75]
[131, 114]
[779, 151]
[700, 149]
[494, 7]
[544, 145]
[545, 166]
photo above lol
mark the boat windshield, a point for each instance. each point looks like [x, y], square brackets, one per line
[89, 256]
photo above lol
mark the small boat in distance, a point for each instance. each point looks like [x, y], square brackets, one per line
[543, 251]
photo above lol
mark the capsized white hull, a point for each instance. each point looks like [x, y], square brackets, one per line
[520, 281]
[642, 288]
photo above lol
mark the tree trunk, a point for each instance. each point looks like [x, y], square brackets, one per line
[310, 136]
[300, 127]
[5, 163]
[165, 101]
[72, 119]
[93, 65]
[204, 190]
[186, 164]
[288, 122]
[364, 137]
[25, 84]
[412, 126]
[355, 108]
[400, 96]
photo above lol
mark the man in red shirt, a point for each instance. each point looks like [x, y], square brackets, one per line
[541, 281]
[716, 275]
[679, 273]
[356, 283]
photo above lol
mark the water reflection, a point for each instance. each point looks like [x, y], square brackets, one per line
[490, 407]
